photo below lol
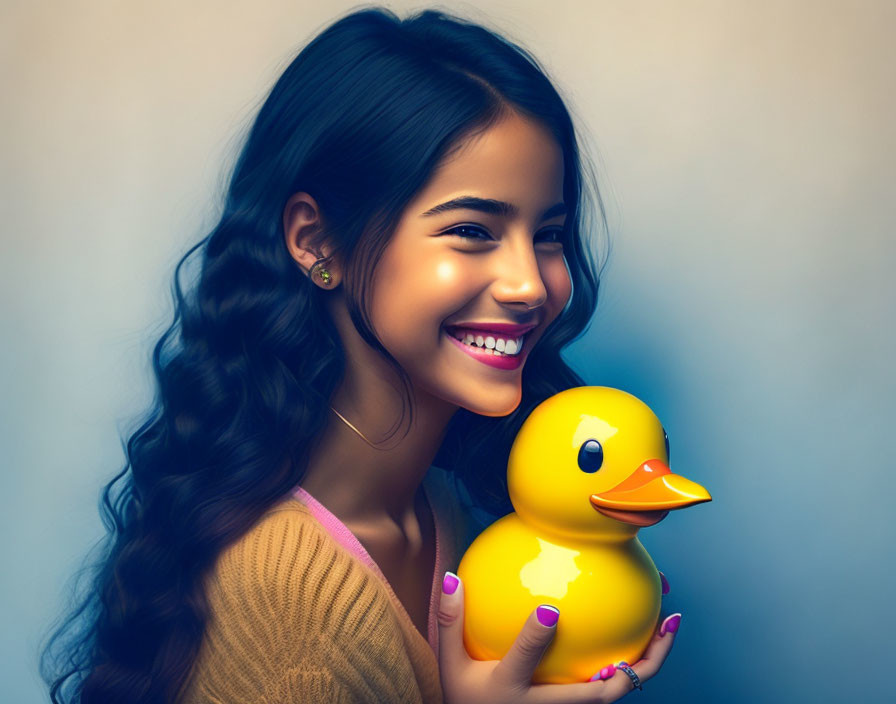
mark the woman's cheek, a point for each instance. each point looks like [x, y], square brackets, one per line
[446, 272]
[559, 287]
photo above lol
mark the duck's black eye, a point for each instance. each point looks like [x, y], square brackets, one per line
[666, 440]
[591, 456]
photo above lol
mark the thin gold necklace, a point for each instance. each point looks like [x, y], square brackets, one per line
[360, 434]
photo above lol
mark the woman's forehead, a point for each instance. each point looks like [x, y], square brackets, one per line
[516, 161]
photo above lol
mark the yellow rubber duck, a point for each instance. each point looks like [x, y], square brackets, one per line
[587, 470]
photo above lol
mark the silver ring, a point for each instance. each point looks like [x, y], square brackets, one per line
[632, 675]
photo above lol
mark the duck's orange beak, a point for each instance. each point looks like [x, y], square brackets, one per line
[653, 489]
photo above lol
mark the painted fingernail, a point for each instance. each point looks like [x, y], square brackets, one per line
[604, 674]
[665, 583]
[450, 582]
[608, 672]
[547, 615]
[670, 624]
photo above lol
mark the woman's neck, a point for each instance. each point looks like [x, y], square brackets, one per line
[364, 485]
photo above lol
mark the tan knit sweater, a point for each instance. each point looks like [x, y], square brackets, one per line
[297, 617]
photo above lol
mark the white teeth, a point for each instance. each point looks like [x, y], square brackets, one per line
[490, 344]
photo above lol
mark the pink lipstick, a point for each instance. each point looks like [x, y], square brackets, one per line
[482, 355]
[502, 328]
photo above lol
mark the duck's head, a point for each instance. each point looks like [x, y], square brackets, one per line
[594, 461]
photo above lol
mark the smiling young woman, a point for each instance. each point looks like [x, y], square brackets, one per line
[401, 257]
[433, 284]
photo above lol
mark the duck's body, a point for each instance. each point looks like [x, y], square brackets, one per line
[610, 595]
[587, 470]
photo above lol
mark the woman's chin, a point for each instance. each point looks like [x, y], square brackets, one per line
[485, 397]
[493, 405]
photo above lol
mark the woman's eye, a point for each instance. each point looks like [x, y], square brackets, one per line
[555, 235]
[469, 232]
[475, 233]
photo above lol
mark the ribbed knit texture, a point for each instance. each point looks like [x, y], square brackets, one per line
[296, 617]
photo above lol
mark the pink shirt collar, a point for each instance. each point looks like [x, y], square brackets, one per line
[338, 530]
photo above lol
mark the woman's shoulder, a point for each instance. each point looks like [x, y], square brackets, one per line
[292, 616]
[287, 557]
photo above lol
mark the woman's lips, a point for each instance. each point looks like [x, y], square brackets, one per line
[503, 329]
[493, 360]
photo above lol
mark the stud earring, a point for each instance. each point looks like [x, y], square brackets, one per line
[324, 275]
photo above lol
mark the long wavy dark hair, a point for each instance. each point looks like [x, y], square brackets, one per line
[359, 119]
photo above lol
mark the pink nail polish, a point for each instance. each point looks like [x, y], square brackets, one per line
[547, 615]
[595, 676]
[670, 624]
[611, 670]
[665, 583]
[450, 582]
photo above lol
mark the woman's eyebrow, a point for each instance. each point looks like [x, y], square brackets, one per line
[492, 207]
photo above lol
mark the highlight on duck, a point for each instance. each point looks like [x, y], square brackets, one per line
[588, 469]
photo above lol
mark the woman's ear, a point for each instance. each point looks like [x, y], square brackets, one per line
[303, 229]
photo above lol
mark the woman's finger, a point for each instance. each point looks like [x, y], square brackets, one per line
[452, 654]
[658, 648]
[518, 665]
[619, 683]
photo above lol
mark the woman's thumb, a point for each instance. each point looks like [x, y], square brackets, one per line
[451, 624]
[518, 664]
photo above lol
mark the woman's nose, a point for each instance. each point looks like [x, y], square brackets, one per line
[519, 279]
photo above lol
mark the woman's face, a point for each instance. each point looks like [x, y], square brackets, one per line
[473, 271]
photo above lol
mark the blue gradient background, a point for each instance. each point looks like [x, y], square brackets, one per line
[746, 153]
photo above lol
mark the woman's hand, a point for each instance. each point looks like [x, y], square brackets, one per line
[469, 681]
